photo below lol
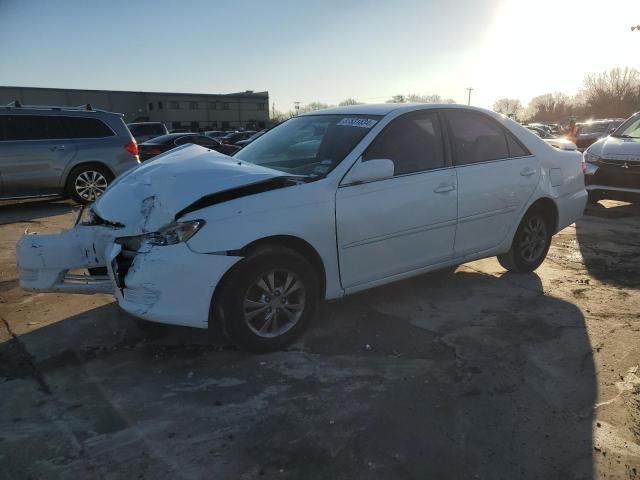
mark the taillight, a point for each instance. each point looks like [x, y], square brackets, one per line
[132, 148]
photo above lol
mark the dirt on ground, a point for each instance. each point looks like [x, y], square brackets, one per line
[478, 374]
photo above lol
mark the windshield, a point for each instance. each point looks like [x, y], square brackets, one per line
[309, 145]
[629, 129]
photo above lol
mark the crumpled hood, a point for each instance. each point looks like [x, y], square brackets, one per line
[148, 197]
[615, 148]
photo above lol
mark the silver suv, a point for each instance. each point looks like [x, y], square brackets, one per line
[55, 151]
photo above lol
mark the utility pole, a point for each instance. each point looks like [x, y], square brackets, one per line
[273, 111]
[297, 107]
[469, 99]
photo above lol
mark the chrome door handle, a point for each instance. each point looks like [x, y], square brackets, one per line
[444, 188]
[57, 147]
[527, 172]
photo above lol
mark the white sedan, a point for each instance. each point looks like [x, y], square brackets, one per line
[324, 205]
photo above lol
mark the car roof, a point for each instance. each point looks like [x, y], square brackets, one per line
[386, 108]
[144, 123]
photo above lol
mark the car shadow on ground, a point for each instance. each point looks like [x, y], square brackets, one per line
[610, 250]
[33, 210]
[441, 376]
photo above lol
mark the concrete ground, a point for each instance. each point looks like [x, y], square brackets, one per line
[477, 374]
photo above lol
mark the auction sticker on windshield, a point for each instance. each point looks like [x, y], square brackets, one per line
[357, 122]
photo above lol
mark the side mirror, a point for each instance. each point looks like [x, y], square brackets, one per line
[371, 170]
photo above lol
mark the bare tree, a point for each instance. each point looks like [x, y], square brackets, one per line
[615, 93]
[416, 98]
[349, 101]
[512, 107]
[550, 107]
[278, 116]
[313, 106]
[397, 99]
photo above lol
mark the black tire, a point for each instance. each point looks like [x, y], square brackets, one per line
[101, 174]
[521, 257]
[241, 284]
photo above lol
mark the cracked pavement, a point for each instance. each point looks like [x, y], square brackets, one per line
[476, 374]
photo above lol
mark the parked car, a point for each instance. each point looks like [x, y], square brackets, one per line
[541, 132]
[555, 141]
[233, 137]
[258, 240]
[542, 126]
[162, 144]
[612, 164]
[244, 143]
[180, 130]
[143, 131]
[590, 132]
[216, 133]
[62, 151]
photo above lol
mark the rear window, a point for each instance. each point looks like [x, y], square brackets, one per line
[80, 127]
[146, 129]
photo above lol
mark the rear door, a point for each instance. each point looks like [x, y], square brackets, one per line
[33, 154]
[496, 177]
[393, 226]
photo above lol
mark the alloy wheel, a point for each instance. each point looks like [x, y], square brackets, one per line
[90, 184]
[274, 303]
[534, 239]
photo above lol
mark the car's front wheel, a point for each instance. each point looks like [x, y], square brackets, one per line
[530, 243]
[87, 182]
[267, 299]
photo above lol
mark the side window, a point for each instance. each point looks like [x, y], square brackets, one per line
[413, 142]
[516, 149]
[25, 127]
[476, 138]
[81, 127]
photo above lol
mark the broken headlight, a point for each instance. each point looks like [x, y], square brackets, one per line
[86, 216]
[176, 232]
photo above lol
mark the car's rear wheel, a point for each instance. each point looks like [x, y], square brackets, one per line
[87, 182]
[267, 299]
[530, 243]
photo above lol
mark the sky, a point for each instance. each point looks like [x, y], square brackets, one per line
[320, 50]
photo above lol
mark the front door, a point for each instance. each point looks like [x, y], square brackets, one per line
[496, 177]
[404, 223]
[33, 155]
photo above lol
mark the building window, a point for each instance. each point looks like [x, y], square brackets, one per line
[261, 106]
[175, 125]
[150, 106]
[159, 105]
[195, 126]
[214, 124]
[213, 105]
[193, 105]
[225, 124]
[225, 106]
[175, 105]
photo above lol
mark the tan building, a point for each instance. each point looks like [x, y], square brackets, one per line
[195, 111]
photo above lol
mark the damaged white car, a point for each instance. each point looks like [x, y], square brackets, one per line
[324, 205]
